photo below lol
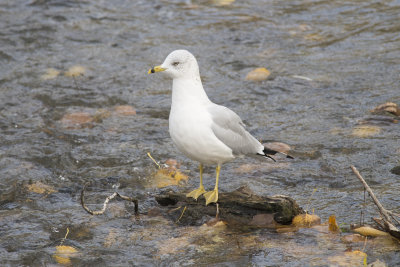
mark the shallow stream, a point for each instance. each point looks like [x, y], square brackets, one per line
[331, 62]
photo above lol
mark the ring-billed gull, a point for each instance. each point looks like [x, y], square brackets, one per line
[202, 130]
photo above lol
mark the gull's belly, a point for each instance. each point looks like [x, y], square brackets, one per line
[191, 132]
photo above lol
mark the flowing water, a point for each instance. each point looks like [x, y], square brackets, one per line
[331, 62]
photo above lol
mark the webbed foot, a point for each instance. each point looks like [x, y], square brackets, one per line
[196, 193]
[211, 196]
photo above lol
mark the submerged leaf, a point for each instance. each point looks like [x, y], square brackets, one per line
[125, 110]
[75, 71]
[63, 254]
[41, 188]
[257, 75]
[222, 2]
[76, 120]
[366, 131]
[349, 258]
[314, 37]
[169, 176]
[353, 238]
[50, 74]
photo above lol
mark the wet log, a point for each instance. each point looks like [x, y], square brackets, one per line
[238, 207]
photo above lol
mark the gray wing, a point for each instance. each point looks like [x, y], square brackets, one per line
[229, 128]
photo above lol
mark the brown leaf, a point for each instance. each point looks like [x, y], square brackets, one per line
[387, 107]
[76, 120]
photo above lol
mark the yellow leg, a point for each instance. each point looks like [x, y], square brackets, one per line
[199, 191]
[212, 196]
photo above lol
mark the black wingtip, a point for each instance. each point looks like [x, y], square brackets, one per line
[266, 156]
[270, 157]
[268, 152]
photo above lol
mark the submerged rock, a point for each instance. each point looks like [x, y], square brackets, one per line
[395, 170]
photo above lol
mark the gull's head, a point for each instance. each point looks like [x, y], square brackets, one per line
[178, 64]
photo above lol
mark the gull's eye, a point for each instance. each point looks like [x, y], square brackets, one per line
[176, 63]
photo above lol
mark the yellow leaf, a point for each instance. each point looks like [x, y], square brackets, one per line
[369, 231]
[333, 227]
[63, 254]
[349, 258]
[366, 131]
[306, 220]
[66, 250]
[40, 188]
[75, 71]
[50, 74]
[166, 177]
[257, 75]
[179, 176]
[222, 2]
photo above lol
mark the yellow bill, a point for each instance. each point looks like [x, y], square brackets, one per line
[156, 69]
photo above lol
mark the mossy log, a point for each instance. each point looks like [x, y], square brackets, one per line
[237, 207]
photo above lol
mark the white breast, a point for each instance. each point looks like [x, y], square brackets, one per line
[190, 130]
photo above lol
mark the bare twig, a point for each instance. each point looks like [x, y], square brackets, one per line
[394, 215]
[115, 194]
[65, 237]
[385, 222]
[382, 210]
[180, 217]
[380, 223]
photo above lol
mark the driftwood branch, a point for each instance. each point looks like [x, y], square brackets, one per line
[241, 206]
[115, 194]
[385, 223]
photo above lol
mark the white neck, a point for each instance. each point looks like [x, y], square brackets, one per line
[188, 91]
